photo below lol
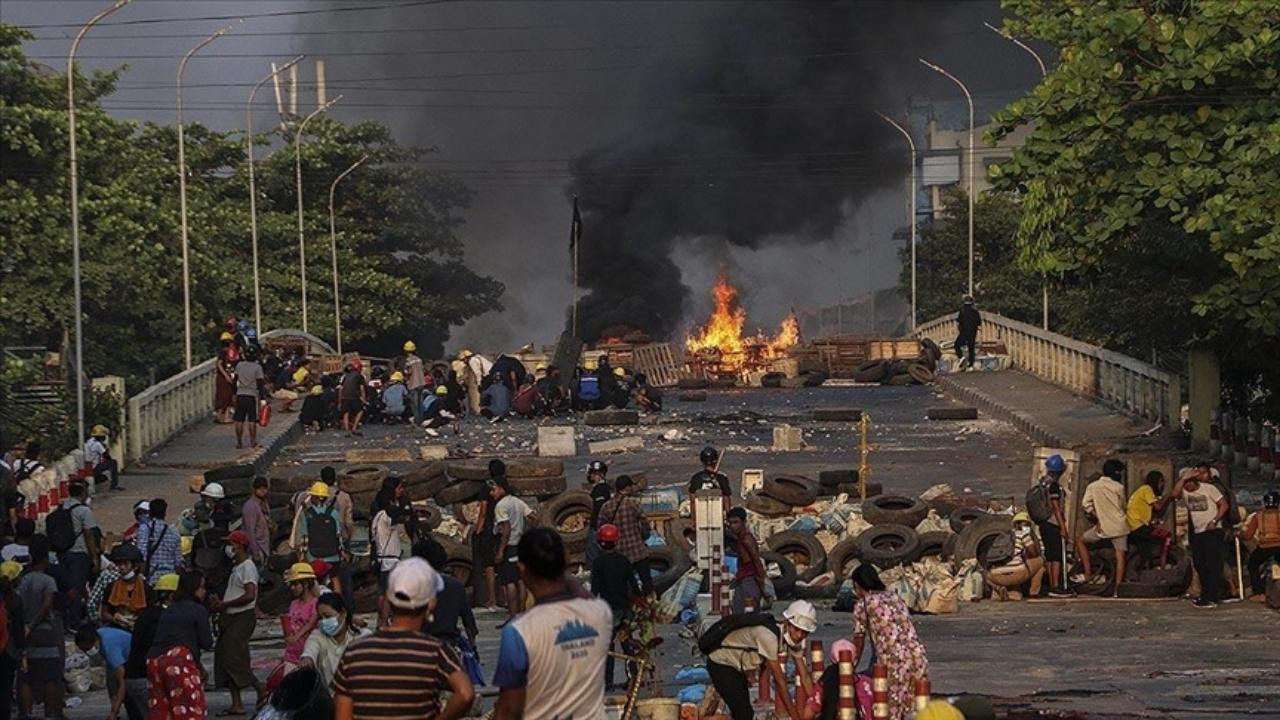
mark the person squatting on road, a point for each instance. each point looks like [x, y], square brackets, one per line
[1021, 560]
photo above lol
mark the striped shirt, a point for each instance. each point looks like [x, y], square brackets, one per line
[395, 674]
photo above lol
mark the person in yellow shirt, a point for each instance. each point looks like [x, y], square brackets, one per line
[1143, 511]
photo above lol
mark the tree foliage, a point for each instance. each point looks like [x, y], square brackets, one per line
[1157, 137]
[400, 262]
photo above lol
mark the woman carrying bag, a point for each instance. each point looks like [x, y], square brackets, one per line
[884, 635]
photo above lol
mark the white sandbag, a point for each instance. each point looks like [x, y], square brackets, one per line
[933, 523]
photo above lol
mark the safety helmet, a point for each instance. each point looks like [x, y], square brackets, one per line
[226, 337]
[299, 571]
[397, 376]
[185, 545]
[802, 615]
[1055, 463]
[167, 582]
[357, 364]
[619, 372]
[1022, 517]
[1271, 499]
[589, 365]
[251, 333]
[442, 390]
[243, 325]
[319, 489]
[317, 390]
[608, 533]
[409, 346]
[540, 366]
[125, 552]
[214, 490]
[968, 299]
[939, 710]
[10, 569]
[597, 466]
[99, 431]
[709, 455]
[465, 354]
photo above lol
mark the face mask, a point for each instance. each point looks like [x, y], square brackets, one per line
[330, 626]
[230, 551]
[793, 644]
[129, 575]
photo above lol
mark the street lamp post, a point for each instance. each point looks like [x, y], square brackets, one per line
[182, 194]
[911, 207]
[970, 193]
[74, 171]
[333, 251]
[1044, 280]
[297, 168]
[253, 195]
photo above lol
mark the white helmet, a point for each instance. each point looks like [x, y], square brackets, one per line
[802, 614]
[214, 490]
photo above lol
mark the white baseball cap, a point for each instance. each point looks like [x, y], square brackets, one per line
[412, 584]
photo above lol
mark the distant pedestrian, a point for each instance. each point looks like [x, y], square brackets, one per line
[74, 535]
[709, 479]
[452, 620]
[749, 581]
[301, 616]
[1044, 504]
[236, 621]
[97, 455]
[251, 382]
[623, 511]
[224, 395]
[1207, 507]
[484, 541]
[144, 632]
[255, 521]
[44, 655]
[614, 581]
[174, 674]
[113, 645]
[600, 490]
[159, 542]
[1263, 526]
[387, 530]
[352, 398]
[968, 321]
[510, 514]
[414, 379]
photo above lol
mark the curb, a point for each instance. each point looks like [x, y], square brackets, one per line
[267, 454]
[1019, 419]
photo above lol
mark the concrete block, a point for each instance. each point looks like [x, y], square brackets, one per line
[787, 438]
[378, 455]
[629, 443]
[433, 452]
[557, 441]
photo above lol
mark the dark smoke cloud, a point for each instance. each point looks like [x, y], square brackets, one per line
[769, 134]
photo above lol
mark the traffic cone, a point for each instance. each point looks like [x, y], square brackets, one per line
[848, 709]
[923, 691]
[880, 692]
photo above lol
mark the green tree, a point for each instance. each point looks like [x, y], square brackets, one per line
[1157, 137]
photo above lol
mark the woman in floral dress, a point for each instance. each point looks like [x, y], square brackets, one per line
[881, 618]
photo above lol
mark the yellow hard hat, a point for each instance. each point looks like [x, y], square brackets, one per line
[619, 372]
[167, 582]
[319, 489]
[299, 571]
[10, 569]
[541, 366]
[317, 390]
[589, 365]
[225, 336]
[939, 710]
[442, 390]
[397, 376]
[99, 430]
[185, 544]
[409, 346]
[465, 354]
[1022, 517]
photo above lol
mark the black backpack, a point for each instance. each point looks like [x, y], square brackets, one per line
[61, 528]
[322, 533]
[713, 639]
[1039, 507]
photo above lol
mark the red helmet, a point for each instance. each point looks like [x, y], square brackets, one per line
[608, 533]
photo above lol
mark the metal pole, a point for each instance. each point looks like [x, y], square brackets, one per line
[253, 193]
[971, 189]
[1044, 280]
[182, 195]
[297, 169]
[911, 209]
[74, 171]
[333, 251]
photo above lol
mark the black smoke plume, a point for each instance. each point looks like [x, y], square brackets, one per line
[766, 135]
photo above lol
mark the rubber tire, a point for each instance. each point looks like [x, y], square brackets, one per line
[675, 531]
[934, 544]
[837, 414]
[795, 490]
[871, 372]
[273, 593]
[230, 472]
[605, 418]
[364, 599]
[293, 483]
[814, 378]
[788, 542]
[461, 492]
[961, 517]
[900, 380]
[895, 510]
[693, 396]
[821, 592]
[771, 380]
[429, 516]
[785, 584]
[468, 470]
[362, 478]
[928, 346]
[458, 560]
[724, 383]
[1103, 557]
[905, 547]
[832, 478]
[239, 487]
[540, 487]
[427, 489]
[693, 384]
[841, 557]
[533, 467]
[564, 506]
[1177, 577]
[920, 373]
[765, 505]
[852, 490]
[952, 413]
[978, 535]
[671, 564]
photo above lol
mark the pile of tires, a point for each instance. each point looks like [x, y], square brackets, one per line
[902, 372]
[1139, 581]
[781, 494]
[528, 477]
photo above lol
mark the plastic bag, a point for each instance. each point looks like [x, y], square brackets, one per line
[692, 694]
[933, 523]
[299, 696]
[692, 674]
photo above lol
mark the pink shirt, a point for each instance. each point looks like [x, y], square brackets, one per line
[300, 613]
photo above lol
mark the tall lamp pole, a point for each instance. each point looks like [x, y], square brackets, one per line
[911, 207]
[182, 194]
[73, 169]
[972, 189]
[333, 251]
[1044, 280]
[297, 168]
[253, 194]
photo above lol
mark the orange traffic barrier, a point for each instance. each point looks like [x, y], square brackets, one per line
[815, 661]
[923, 691]
[880, 692]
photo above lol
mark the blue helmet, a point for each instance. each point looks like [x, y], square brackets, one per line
[242, 325]
[1055, 463]
[251, 333]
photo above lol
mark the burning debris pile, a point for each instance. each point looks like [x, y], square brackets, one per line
[721, 347]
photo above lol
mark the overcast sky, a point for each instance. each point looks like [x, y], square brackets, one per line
[508, 92]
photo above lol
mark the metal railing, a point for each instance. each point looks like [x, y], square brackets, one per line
[1088, 370]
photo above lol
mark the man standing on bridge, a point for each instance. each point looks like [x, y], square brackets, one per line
[969, 320]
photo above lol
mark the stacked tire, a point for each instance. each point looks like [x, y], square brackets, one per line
[530, 477]
[899, 372]
[782, 494]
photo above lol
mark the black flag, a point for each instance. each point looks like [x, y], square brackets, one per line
[575, 228]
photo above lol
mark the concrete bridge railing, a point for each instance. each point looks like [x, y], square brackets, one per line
[1088, 370]
[167, 408]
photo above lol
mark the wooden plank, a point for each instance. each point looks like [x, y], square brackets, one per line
[568, 350]
[658, 362]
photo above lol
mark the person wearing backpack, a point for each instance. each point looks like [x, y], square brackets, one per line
[738, 645]
[1044, 506]
[74, 535]
[1264, 526]
[320, 528]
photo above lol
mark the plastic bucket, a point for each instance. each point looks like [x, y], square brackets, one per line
[658, 709]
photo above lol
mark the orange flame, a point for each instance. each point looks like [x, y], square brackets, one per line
[722, 335]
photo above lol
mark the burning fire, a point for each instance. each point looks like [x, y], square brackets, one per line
[722, 335]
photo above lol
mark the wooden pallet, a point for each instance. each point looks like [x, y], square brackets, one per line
[658, 362]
